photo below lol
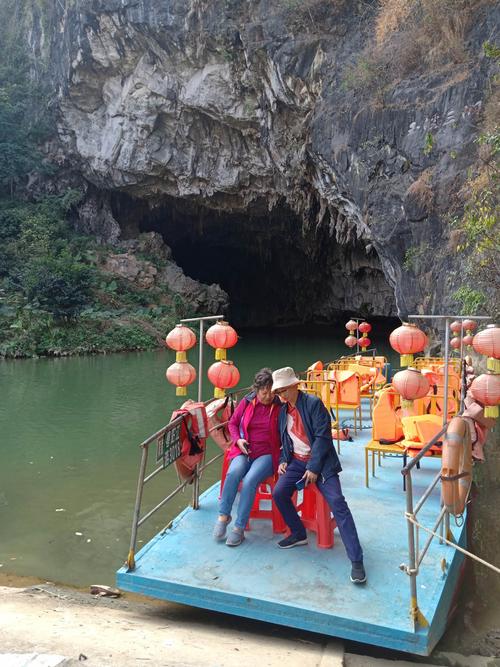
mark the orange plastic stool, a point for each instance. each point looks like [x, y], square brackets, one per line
[316, 515]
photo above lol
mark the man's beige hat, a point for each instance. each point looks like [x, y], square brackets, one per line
[284, 377]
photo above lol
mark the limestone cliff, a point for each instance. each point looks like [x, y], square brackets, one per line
[228, 127]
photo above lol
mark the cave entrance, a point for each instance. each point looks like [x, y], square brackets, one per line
[274, 270]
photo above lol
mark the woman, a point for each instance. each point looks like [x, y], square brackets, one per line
[254, 454]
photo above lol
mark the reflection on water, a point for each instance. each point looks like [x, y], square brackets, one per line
[69, 435]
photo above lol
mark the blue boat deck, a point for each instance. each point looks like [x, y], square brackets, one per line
[307, 587]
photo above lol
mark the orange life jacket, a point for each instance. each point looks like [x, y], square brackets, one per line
[193, 435]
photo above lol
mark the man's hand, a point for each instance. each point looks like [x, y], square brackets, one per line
[242, 444]
[309, 477]
[282, 468]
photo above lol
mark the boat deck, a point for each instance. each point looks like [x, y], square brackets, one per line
[307, 587]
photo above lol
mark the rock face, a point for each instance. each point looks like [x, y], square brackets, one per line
[145, 275]
[226, 127]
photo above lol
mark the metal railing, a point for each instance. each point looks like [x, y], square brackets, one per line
[442, 523]
[168, 451]
[415, 556]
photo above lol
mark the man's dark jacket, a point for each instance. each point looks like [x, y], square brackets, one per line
[317, 424]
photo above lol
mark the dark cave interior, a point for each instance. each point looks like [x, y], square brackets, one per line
[275, 270]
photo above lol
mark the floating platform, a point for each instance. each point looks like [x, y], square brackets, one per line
[307, 587]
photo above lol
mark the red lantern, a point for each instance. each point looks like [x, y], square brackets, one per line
[351, 341]
[487, 342]
[456, 327]
[410, 384]
[180, 339]
[221, 336]
[486, 390]
[181, 374]
[470, 326]
[455, 343]
[407, 340]
[223, 375]
[364, 341]
[351, 326]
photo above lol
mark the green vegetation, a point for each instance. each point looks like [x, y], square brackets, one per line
[429, 143]
[55, 298]
[415, 255]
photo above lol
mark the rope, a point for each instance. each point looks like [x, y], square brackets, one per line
[412, 519]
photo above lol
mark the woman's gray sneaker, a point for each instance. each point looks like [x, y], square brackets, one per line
[235, 538]
[220, 529]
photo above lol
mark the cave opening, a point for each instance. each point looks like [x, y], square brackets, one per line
[275, 270]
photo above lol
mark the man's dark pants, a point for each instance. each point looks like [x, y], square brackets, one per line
[332, 492]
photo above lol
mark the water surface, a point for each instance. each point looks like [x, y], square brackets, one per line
[69, 435]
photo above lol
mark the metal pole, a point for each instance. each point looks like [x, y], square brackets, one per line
[411, 571]
[446, 369]
[137, 509]
[200, 364]
[196, 476]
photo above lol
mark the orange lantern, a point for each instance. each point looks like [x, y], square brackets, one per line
[486, 390]
[221, 336]
[181, 374]
[469, 326]
[410, 385]
[487, 342]
[467, 340]
[351, 341]
[407, 340]
[456, 329]
[223, 375]
[180, 339]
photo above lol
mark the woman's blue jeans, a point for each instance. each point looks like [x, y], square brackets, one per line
[252, 473]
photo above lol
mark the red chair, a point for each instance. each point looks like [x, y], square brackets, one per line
[223, 473]
[316, 516]
[264, 494]
[313, 508]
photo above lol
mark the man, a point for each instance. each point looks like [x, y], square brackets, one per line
[308, 454]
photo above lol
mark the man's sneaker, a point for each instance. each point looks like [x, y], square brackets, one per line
[292, 541]
[358, 574]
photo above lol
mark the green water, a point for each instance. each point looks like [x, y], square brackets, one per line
[69, 435]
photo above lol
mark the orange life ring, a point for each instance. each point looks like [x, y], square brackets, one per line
[456, 466]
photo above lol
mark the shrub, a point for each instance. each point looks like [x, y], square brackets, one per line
[414, 35]
[59, 284]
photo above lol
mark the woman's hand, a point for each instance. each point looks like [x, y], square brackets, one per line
[282, 468]
[309, 477]
[242, 445]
